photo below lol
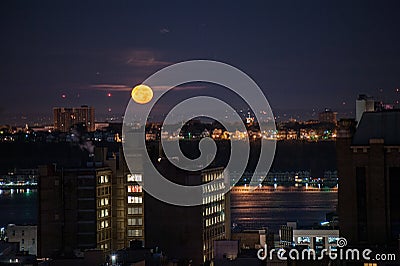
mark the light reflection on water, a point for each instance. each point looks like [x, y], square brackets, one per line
[253, 210]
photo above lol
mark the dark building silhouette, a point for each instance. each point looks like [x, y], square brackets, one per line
[74, 210]
[185, 233]
[94, 205]
[369, 179]
[188, 233]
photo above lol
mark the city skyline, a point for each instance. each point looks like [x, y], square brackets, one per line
[307, 58]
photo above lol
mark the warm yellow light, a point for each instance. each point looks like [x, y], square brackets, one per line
[142, 94]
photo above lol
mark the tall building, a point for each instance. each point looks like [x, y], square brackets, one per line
[74, 210]
[369, 179]
[364, 103]
[65, 118]
[327, 116]
[189, 233]
[98, 205]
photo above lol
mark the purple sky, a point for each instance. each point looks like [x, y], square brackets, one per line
[305, 55]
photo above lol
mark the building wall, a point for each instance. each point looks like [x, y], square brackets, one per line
[368, 187]
[65, 118]
[74, 210]
[25, 235]
[216, 211]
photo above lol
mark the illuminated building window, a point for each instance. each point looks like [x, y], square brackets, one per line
[135, 210]
[135, 221]
[134, 177]
[134, 199]
[102, 179]
[135, 232]
[135, 188]
[103, 213]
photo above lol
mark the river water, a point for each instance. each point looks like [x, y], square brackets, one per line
[250, 210]
[254, 210]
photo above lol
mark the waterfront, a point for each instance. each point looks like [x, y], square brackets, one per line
[249, 209]
[269, 208]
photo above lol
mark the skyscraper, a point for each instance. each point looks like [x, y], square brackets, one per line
[65, 118]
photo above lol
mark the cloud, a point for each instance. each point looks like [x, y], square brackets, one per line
[164, 30]
[110, 87]
[180, 88]
[144, 58]
[122, 87]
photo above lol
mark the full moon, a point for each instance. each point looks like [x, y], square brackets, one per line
[142, 94]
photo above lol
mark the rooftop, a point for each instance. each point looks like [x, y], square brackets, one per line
[379, 125]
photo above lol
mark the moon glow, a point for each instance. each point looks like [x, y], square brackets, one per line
[142, 94]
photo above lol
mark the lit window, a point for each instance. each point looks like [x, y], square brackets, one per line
[135, 188]
[134, 199]
[134, 177]
[134, 232]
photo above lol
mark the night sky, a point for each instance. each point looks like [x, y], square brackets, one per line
[305, 55]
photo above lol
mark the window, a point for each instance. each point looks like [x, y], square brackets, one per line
[134, 232]
[135, 210]
[303, 240]
[103, 213]
[134, 199]
[135, 221]
[134, 178]
[135, 188]
[102, 179]
[332, 240]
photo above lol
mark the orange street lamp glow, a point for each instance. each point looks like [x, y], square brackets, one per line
[142, 94]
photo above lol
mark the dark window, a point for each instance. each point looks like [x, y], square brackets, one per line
[361, 203]
[394, 199]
